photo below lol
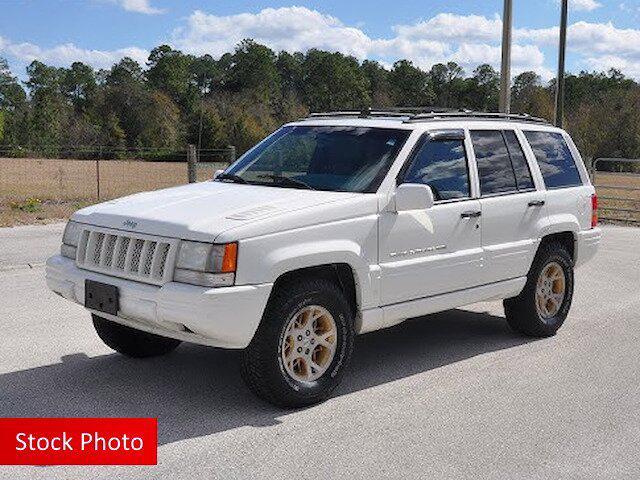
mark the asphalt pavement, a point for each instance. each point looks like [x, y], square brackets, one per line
[453, 395]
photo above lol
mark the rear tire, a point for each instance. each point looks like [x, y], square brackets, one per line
[131, 342]
[274, 365]
[543, 305]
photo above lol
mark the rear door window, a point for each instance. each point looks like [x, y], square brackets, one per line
[494, 165]
[554, 157]
[519, 161]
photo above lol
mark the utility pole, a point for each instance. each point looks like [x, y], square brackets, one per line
[561, 59]
[203, 91]
[505, 72]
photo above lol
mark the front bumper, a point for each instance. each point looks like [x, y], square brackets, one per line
[225, 317]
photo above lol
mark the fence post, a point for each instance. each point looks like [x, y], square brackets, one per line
[192, 160]
[231, 153]
[98, 178]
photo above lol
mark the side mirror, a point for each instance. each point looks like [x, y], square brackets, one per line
[413, 196]
[216, 173]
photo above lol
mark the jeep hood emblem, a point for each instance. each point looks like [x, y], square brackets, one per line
[130, 224]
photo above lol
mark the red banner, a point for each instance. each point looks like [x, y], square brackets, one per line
[78, 441]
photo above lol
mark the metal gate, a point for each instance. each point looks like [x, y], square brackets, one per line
[618, 192]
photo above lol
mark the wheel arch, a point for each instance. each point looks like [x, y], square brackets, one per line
[566, 238]
[342, 274]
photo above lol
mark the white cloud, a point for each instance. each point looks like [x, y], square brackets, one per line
[586, 5]
[629, 67]
[289, 28]
[66, 54]
[139, 6]
[466, 39]
[453, 27]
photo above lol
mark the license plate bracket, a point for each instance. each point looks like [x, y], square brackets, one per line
[101, 297]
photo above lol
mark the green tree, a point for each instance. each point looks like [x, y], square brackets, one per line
[123, 101]
[160, 125]
[483, 89]
[289, 67]
[170, 71]
[609, 125]
[333, 81]
[409, 85]
[529, 96]
[253, 69]
[49, 111]
[379, 85]
[13, 107]
[206, 74]
[447, 81]
[12, 95]
[78, 85]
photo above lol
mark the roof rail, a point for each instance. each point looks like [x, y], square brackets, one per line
[425, 114]
[382, 112]
[471, 115]
[366, 113]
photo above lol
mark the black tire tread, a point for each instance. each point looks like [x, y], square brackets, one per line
[259, 352]
[521, 311]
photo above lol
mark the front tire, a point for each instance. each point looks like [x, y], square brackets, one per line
[303, 344]
[131, 342]
[543, 305]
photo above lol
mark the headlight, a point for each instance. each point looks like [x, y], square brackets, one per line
[70, 239]
[206, 264]
[71, 234]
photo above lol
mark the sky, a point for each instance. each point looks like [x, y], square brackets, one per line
[602, 33]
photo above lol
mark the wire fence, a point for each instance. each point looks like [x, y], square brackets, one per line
[90, 174]
[106, 152]
[66, 174]
[617, 181]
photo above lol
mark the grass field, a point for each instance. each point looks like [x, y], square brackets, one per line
[37, 190]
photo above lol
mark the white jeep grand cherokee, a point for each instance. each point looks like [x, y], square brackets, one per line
[336, 225]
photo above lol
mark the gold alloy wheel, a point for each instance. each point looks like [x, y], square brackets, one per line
[550, 290]
[309, 343]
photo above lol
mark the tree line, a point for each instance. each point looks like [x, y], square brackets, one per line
[176, 99]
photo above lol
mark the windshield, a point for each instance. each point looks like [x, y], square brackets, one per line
[345, 159]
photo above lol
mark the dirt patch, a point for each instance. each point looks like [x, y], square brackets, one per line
[45, 212]
[34, 190]
[52, 179]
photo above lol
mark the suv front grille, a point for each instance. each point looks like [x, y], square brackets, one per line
[127, 255]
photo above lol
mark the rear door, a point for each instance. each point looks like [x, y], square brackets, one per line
[568, 189]
[512, 208]
[430, 252]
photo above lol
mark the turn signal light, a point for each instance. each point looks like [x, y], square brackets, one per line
[230, 258]
[594, 210]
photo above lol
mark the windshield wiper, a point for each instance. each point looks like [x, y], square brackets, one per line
[291, 182]
[232, 177]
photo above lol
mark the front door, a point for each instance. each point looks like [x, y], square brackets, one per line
[429, 252]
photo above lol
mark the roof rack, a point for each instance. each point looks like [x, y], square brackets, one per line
[367, 113]
[425, 114]
[471, 115]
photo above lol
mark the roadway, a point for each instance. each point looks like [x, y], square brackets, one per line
[454, 395]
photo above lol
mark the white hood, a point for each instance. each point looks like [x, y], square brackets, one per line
[201, 211]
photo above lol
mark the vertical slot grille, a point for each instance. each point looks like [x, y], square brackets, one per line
[126, 256]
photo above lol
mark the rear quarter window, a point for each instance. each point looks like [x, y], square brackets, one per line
[557, 165]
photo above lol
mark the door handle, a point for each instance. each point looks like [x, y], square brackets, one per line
[536, 203]
[472, 214]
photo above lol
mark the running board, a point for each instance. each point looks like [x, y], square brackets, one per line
[390, 315]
